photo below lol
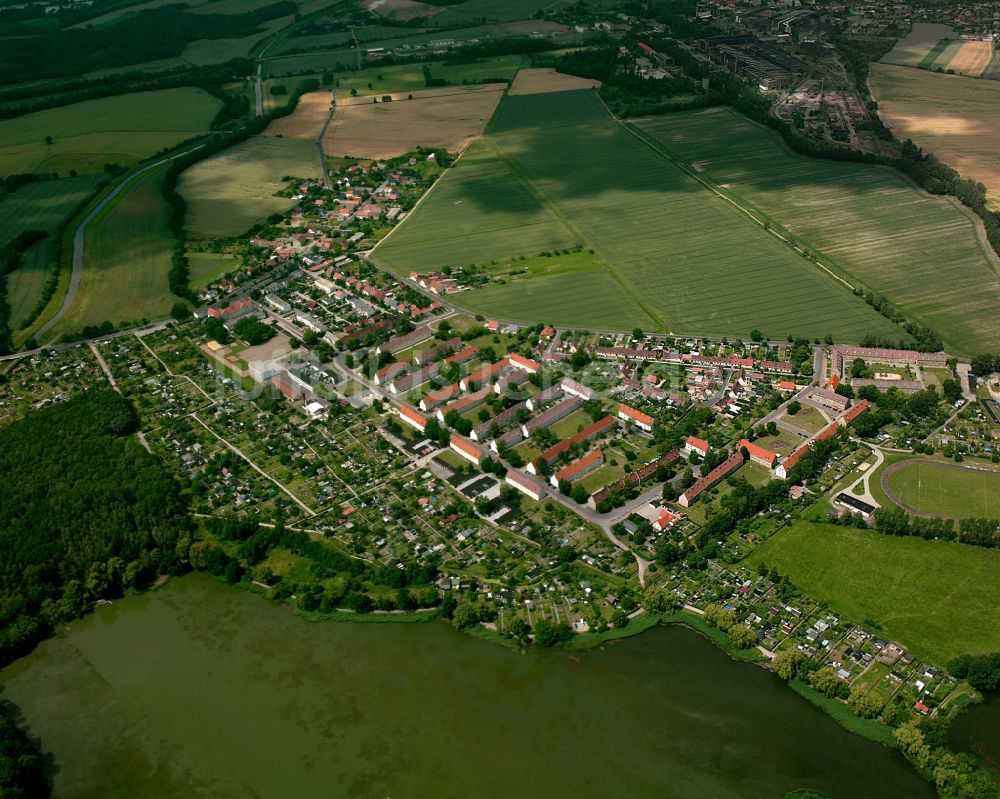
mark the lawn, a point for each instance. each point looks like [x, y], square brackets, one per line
[206, 267]
[556, 171]
[126, 259]
[123, 129]
[947, 490]
[234, 189]
[938, 598]
[868, 223]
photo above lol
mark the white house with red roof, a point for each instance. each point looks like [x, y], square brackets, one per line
[471, 452]
[696, 446]
[413, 418]
[629, 414]
[758, 454]
[664, 520]
[524, 364]
[578, 468]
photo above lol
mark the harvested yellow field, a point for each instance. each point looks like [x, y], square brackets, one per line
[541, 81]
[449, 119]
[952, 116]
[972, 59]
[306, 121]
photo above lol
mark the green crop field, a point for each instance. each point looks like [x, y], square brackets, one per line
[229, 192]
[554, 171]
[927, 62]
[410, 77]
[43, 205]
[947, 490]
[24, 286]
[127, 257]
[937, 598]
[122, 129]
[867, 222]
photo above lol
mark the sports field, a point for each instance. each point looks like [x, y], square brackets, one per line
[556, 170]
[937, 598]
[951, 116]
[229, 192]
[448, 118]
[122, 129]
[946, 489]
[911, 50]
[127, 257]
[869, 223]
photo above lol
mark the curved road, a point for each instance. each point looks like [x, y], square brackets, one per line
[78, 240]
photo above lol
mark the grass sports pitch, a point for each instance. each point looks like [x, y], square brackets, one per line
[556, 171]
[868, 223]
[948, 490]
[922, 592]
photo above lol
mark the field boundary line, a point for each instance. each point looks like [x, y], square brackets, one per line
[553, 209]
[672, 159]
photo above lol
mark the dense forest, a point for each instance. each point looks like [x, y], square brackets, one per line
[22, 765]
[85, 513]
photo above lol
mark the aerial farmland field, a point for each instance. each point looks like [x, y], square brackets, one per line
[911, 50]
[122, 129]
[869, 223]
[447, 118]
[25, 284]
[43, 205]
[232, 190]
[127, 257]
[557, 171]
[951, 116]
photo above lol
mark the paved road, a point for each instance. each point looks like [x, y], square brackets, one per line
[865, 479]
[80, 236]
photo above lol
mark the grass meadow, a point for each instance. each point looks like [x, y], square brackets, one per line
[229, 192]
[869, 223]
[947, 491]
[43, 205]
[556, 170]
[938, 598]
[24, 286]
[121, 129]
[206, 267]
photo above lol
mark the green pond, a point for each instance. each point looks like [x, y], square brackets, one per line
[201, 690]
[977, 730]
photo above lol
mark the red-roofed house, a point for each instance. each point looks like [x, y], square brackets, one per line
[827, 432]
[492, 325]
[853, 413]
[758, 454]
[471, 452]
[723, 470]
[664, 520]
[463, 355]
[485, 376]
[522, 363]
[696, 446]
[578, 468]
[789, 463]
[640, 419]
[386, 373]
[413, 418]
[233, 310]
[435, 398]
[786, 385]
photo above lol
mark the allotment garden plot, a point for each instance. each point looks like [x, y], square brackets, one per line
[869, 223]
[690, 261]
